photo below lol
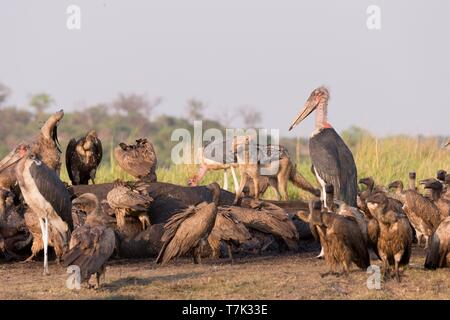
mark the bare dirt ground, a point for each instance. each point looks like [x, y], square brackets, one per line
[288, 276]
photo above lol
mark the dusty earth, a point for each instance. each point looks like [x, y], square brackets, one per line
[285, 276]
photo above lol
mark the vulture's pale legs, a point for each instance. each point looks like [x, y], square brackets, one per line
[44, 228]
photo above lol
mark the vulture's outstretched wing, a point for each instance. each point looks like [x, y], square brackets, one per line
[184, 231]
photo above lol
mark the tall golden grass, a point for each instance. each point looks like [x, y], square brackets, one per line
[385, 160]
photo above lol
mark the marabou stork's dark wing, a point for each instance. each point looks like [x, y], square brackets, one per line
[334, 163]
[53, 190]
[70, 152]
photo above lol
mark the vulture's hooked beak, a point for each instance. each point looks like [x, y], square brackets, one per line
[309, 107]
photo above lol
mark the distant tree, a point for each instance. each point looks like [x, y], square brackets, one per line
[195, 109]
[353, 135]
[226, 117]
[250, 117]
[136, 104]
[40, 102]
[4, 93]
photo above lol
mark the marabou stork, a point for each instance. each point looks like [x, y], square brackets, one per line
[48, 197]
[332, 160]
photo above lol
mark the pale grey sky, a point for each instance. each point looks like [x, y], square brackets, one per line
[229, 53]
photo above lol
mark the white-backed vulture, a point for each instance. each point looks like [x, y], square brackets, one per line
[93, 243]
[267, 218]
[188, 231]
[83, 156]
[229, 230]
[126, 199]
[395, 237]
[139, 160]
[340, 237]
[435, 188]
[421, 212]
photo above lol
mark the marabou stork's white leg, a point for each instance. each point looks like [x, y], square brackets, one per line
[225, 179]
[44, 230]
[323, 196]
[235, 180]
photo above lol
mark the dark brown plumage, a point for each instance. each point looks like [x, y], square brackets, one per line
[373, 229]
[139, 160]
[395, 236]
[187, 231]
[83, 156]
[93, 243]
[229, 230]
[340, 237]
[421, 212]
[438, 253]
[267, 218]
[435, 188]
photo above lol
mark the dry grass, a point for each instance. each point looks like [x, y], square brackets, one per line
[290, 276]
[386, 160]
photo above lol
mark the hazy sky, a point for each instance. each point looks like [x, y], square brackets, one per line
[230, 53]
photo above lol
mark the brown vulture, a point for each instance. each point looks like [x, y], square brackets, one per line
[395, 234]
[421, 211]
[93, 243]
[139, 160]
[188, 231]
[83, 156]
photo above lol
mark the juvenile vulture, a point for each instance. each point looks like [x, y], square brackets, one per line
[93, 243]
[126, 199]
[46, 145]
[139, 160]
[229, 230]
[188, 230]
[396, 235]
[341, 239]
[48, 197]
[435, 188]
[421, 212]
[438, 254]
[83, 156]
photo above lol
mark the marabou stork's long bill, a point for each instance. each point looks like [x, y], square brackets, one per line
[332, 160]
[48, 197]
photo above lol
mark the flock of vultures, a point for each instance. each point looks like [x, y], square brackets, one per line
[88, 224]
